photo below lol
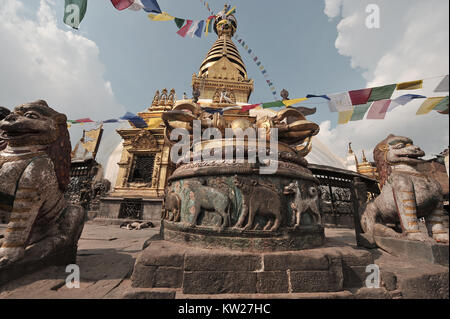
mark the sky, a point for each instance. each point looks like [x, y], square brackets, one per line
[118, 59]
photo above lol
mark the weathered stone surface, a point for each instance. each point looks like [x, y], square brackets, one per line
[161, 253]
[354, 276]
[315, 281]
[272, 282]
[296, 260]
[207, 260]
[389, 280]
[143, 276]
[217, 282]
[168, 277]
[149, 294]
[372, 293]
[415, 250]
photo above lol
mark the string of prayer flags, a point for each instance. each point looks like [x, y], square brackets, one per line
[378, 110]
[429, 105]
[345, 116]
[209, 24]
[382, 92]
[340, 102]
[122, 4]
[359, 97]
[412, 85]
[443, 85]
[196, 28]
[74, 12]
[161, 17]
[359, 111]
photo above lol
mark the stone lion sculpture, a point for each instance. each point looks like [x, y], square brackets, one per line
[34, 173]
[4, 112]
[406, 195]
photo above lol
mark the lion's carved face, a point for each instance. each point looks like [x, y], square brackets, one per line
[31, 124]
[401, 150]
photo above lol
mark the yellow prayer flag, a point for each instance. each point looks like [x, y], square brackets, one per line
[208, 21]
[345, 116]
[161, 17]
[412, 85]
[294, 101]
[429, 104]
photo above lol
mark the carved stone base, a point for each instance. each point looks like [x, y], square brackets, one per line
[197, 271]
[426, 251]
[303, 237]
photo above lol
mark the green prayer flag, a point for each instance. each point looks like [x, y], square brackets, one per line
[382, 92]
[442, 106]
[360, 111]
[74, 11]
[179, 22]
[272, 104]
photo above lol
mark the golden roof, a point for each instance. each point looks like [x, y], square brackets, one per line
[224, 26]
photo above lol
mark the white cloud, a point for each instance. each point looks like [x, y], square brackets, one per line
[39, 60]
[411, 44]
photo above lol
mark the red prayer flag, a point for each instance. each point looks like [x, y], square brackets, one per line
[182, 32]
[378, 110]
[249, 107]
[360, 96]
[122, 4]
[86, 120]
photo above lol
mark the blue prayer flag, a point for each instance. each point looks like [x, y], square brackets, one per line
[151, 6]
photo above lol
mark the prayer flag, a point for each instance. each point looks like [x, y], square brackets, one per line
[179, 22]
[182, 32]
[345, 116]
[412, 85]
[428, 105]
[151, 6]
[378, 110]
[359, 97]
[161, 17]
[294, 101]
[136, 120]
[382, 92]
[443, 85]
[122, 4]
[74, 12]
[272, 104]
[340, 102]
[193, 28]
[359, 111]
[136, 6]
[322, 96]
[249, 107]
[111, 121]
[85, 120]
[199, 30]
[442, 106]
[404, 99]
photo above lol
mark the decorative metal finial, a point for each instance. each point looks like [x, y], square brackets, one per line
[284, 94]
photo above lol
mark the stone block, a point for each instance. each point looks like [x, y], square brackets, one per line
[168, 277]
[272, 282]
[302, 260]
[315, 281]
[205, 260]
[161, 253]
[219, 282]
[354, 276]
[143, 276]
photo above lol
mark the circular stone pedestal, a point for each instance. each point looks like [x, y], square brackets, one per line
[231, 204]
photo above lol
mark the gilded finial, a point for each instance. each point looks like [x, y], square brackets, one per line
[364, 156]
[350, 148]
